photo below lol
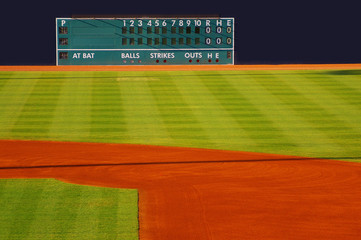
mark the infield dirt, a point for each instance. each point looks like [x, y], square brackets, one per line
[188, 193]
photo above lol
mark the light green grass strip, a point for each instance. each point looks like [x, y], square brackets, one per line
[333, 113]
[141, 113]
[71, 119]
[107, 111]
[256, 125]
[49, 209]
[14, 92]
[222, 130]
[281, 120]
[177, 115]
[37, 113]
[304, 110]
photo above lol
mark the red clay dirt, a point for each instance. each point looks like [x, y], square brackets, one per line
[188, 193]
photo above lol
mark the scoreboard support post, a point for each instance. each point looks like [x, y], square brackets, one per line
[144, 41]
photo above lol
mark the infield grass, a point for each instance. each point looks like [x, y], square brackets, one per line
[305, 113]
[50, 209]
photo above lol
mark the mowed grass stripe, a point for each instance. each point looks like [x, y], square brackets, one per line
[22, 214]
[250, 119]
[283, 121]
[106, 208]
[346, 87]
[324, 111]
[108, 212]
[65, 228]
[100, 218]
[123, 209]
[89, 230]
[342, 114]
[177, 115]
[71, 119]
[143, 118]
[351, 81]
[37, 113]
[4, 78]
[13, 95]
[107, 114]
[49, 209]
[222, 130]
[50, 205]
[309, 113]
[8, 206]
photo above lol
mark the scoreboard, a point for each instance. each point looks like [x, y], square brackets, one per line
[144, 41]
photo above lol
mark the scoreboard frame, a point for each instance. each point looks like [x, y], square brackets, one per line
[206, 40]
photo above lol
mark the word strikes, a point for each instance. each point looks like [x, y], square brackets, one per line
[162, 55]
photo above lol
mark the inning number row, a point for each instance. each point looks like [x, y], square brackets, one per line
[181, 23]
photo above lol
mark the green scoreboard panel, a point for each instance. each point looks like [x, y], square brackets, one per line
[144, 41]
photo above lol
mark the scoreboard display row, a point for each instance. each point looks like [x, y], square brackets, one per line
[146, 41]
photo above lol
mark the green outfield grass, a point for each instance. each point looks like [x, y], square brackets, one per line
[49, 209]
[304, 113]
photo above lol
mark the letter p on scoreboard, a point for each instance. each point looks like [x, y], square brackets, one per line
[144, 41]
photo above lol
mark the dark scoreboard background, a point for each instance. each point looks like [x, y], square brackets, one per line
[144, 41]
[266, 32]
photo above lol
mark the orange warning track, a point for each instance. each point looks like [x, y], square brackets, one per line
[184, 67]
[201, 194]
